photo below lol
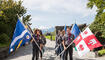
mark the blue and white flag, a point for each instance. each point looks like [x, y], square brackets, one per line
[20, 33]
[65, 28]
[75, 30]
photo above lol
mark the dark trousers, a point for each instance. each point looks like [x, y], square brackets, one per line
[40, 54]
[70, 52]
[35, 53]
[62, 55]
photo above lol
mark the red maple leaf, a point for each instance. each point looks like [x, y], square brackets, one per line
[81, 48]
[85, 32]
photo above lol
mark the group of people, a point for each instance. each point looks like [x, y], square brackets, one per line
[63, 40]
[38, 44]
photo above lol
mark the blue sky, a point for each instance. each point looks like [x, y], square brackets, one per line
[47, 13]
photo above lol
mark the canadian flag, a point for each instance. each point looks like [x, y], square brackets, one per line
[86, 41]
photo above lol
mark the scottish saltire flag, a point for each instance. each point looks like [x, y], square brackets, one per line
[20, 36]
[75, 30]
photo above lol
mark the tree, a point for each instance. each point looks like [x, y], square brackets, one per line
[99, 23]
[26, 19]
[100, 4]
[9, 9]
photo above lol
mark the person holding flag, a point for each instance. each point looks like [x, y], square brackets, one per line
[67, 39]
[36, 49]
[22, 35]
[38, 42]
[59, 41]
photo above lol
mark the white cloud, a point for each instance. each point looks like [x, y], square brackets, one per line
[36, 18]
[59, 6]
[43, 27]
[58, 12]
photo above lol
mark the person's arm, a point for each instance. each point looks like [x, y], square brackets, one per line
[31, 40]
[41, 45]
[64, 45]
[63, 42]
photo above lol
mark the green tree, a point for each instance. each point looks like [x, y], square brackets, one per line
[100, 4]
[26, 19]
[9, 9]
[99, 22]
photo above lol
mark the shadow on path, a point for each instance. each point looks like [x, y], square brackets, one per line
[24, 50]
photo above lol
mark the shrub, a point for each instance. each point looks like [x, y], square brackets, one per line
[101, 52]
[4, 38]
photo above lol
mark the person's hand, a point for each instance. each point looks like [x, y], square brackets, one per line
[40, 48]
[31, 40]
[65, 48]
[41, 45]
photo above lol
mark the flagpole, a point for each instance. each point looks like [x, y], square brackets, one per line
[66, 48]
[31, 34]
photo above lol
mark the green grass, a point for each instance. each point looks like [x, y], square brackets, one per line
[49, 37]
[101, 52]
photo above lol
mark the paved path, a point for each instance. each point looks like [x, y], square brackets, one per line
[25, 53]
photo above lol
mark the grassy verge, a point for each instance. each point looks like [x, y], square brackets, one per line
[101, 52]
[49, 37]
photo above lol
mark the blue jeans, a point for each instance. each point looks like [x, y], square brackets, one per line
[62, 55]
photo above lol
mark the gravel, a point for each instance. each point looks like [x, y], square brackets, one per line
[25, 53]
